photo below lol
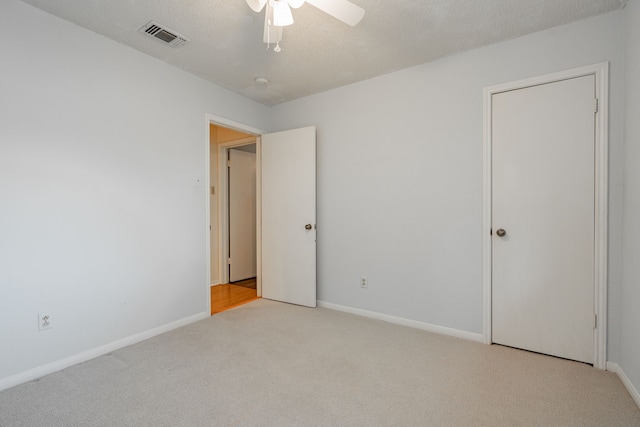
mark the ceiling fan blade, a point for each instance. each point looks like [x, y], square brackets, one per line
[343, 10]
[256, 5]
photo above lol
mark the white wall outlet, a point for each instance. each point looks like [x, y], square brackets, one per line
[44, 321]
[364, 283]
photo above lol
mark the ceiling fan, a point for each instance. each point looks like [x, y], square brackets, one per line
[278, 14]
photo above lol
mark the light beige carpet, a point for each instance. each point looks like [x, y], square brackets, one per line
[273, 364]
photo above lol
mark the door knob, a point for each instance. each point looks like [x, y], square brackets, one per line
[308, 227]
[501, 232]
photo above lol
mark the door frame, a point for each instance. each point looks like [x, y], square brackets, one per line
[222, 121]
[223, 211]
[601, 73]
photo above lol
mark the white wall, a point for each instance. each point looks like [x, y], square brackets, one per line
[100, 221]
[630, 307]
[400, 174]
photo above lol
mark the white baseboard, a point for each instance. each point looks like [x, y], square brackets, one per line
[614, 367]
[215, 283]
[404, 322]
[58, 365]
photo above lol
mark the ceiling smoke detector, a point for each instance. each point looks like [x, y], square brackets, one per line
[164, 34]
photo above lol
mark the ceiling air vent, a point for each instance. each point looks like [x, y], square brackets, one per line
[163, 34]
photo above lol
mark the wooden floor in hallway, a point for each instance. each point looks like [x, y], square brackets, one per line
[224, 297]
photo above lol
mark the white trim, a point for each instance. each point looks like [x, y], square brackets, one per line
[259, 216]
[601, 214]
[601, 73]
[442, 330]
[207, 210]
[617, 369]
[215, 283]
[58, 365]
[221, 121]
[238, 142]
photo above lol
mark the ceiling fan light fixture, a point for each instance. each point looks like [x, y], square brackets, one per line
[296, 3]
[282, 13]
[256, 5]
[278, 15]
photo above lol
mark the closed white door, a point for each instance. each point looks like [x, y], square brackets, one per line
[543, 218]
[288, 170]
[242, 215]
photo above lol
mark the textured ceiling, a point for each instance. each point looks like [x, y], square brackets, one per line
[318, 52]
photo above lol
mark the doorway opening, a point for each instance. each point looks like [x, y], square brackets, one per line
[233, 213]
[285, 225]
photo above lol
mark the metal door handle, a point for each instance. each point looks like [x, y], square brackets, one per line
[501, 232]
[308, 227]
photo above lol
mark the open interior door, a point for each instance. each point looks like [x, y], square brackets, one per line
[289, 216]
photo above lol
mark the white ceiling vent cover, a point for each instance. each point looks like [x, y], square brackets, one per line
[163, 34]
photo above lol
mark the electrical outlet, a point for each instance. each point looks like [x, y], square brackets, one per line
[44, 321]
[364, 283]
